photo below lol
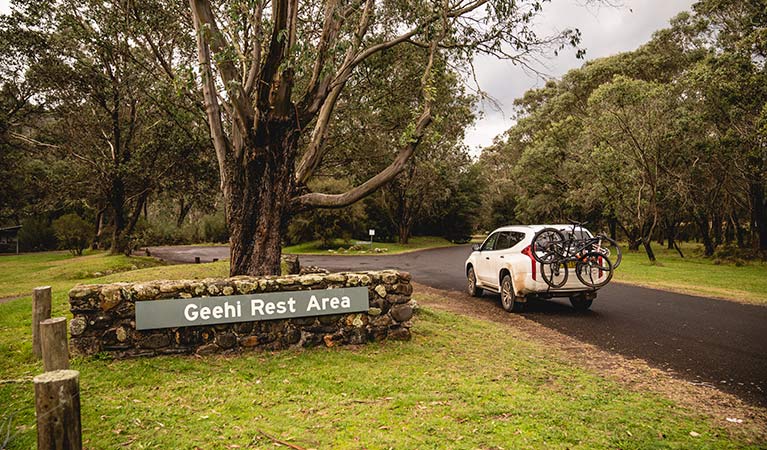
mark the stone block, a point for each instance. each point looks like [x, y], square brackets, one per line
[401, 313]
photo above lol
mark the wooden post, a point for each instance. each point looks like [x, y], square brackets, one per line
[41, 310]
[53, 341]
[57, 406]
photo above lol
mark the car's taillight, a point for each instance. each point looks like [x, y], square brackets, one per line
[600, 267]
[529, 252]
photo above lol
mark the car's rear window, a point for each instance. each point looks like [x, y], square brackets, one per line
[579, 234]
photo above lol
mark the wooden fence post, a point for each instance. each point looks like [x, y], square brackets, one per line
[53, 340]
[57, 405]
[41, 310]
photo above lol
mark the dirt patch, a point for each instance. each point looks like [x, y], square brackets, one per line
[635, 374]
[10, 299]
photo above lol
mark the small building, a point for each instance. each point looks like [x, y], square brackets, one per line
[9, 239]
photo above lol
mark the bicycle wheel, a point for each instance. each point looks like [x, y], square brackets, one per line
[548, 245]
[608, 247]
[554, 273]
[594, 269]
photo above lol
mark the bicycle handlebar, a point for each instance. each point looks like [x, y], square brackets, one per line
[575, 222]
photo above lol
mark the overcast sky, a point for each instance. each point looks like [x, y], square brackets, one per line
[606, 30]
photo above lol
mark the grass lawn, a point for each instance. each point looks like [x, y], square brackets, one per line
[19, 274]
[460, 383]
[416, 243]
[695, 274]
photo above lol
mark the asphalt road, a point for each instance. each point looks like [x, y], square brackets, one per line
[703, 340]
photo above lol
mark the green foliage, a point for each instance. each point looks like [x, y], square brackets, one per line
[36, 235]
[115, 133]
[654, 140]
[457, 215]
[378, 119]
[160, 230]
[326, 225]
[73, 233]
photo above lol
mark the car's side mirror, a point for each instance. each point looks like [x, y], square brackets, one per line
[475, 247]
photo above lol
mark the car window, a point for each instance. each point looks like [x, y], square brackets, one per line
[490, 242]
[503, 242]
[515, 238]
[579, 234]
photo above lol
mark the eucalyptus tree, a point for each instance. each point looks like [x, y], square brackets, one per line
[272, 72]
[730, 84]
[367, 130]
[109, 114]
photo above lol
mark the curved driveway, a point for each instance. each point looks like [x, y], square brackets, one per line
[703, 340]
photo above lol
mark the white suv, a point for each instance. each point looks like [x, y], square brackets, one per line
[504, 264]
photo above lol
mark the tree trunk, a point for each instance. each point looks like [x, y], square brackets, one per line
[128, 231]
[633, 237]
[258, 204]
[702, 223]
[678, 250]
[405, 218]
[670, 230]
[117, 201]
[738, 231]
[404, 233]
[758, 214]
[96, 244]
[613, 225]
[716, 228]
[647, 243]
[183, 211]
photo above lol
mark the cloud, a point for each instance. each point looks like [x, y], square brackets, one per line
[606, 30]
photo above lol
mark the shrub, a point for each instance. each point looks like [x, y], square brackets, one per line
[72, 232]
[36, 235]
[736, 255]
[212, 228]
[164, 231]
[327, 225]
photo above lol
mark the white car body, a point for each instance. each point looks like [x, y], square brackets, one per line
[491, 265]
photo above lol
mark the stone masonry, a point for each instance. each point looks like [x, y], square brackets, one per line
[104, 315]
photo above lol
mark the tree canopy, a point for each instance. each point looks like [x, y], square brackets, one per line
[664, 139]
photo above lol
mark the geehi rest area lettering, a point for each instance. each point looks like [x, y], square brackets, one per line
[245, 308]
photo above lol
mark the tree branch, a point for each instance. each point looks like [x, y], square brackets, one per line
[207, 30]
[319, 200]
[212, 109]
[271, 91]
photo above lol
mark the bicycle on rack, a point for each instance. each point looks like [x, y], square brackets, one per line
[589, 256]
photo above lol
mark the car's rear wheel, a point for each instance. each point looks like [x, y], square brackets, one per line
[580, 302]
[508, 299]
[471, 283]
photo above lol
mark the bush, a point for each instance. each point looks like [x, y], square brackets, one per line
[72, 232]
[736, 255]
[209, 228]
[212, 228]
[36, 235]
[327, 225]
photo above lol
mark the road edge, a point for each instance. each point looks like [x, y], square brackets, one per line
[634, 373]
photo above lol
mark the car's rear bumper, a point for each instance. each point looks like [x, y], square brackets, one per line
[524, 284]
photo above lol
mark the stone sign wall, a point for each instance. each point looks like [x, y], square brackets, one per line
[105, 315]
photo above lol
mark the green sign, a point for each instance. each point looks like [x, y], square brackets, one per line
[188, 312]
